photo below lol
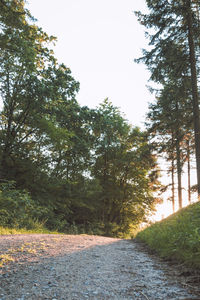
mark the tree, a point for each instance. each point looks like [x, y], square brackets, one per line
[189, 17]
[74, 165]
[169, 119]
[34, 89]
[173, 49]
[124, 166]
[31, 82]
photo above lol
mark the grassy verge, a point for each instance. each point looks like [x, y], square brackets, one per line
[6, 230]
[177, 237]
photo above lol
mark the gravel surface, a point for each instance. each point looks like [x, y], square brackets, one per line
[84, 267]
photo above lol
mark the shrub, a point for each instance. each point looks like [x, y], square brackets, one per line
[17, 208]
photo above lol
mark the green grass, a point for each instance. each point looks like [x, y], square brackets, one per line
[6, 230]
[177, 237]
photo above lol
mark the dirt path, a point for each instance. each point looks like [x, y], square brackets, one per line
[83, 267]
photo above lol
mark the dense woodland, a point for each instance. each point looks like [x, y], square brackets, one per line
[64, 165]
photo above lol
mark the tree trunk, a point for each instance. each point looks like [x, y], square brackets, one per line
[173, 186]
[179, 173]
[194, 90]
[178, 157]
[172, 175]
[188, 169]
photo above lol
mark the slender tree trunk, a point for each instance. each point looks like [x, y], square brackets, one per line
[194, 90]
[178, 157]
[172, 175]
[179, 173]
[188, 169]
[173, 186]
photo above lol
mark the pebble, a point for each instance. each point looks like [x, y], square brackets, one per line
[84, 267]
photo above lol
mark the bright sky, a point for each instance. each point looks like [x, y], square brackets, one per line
[98, 40]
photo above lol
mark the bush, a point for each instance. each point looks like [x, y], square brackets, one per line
[18, 210]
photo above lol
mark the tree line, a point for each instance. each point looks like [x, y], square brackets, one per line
[61, 163]
[173, 30]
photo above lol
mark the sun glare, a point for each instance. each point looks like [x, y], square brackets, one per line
[165, 209]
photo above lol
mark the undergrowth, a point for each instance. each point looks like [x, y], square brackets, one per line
[19, 213]
[177, 237]
[7, 230]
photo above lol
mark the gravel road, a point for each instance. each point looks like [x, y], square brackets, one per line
[85, 267]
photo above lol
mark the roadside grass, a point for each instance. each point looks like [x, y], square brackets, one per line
[7, 231]
[176, 237]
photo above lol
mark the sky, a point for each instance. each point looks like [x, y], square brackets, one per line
[99, 40]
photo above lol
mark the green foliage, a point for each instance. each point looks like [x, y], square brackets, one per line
[123, 165]
[17, 209]
[177, 237]
[173, 34]
[75, 169]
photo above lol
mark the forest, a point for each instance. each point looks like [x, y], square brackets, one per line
[64, 165]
